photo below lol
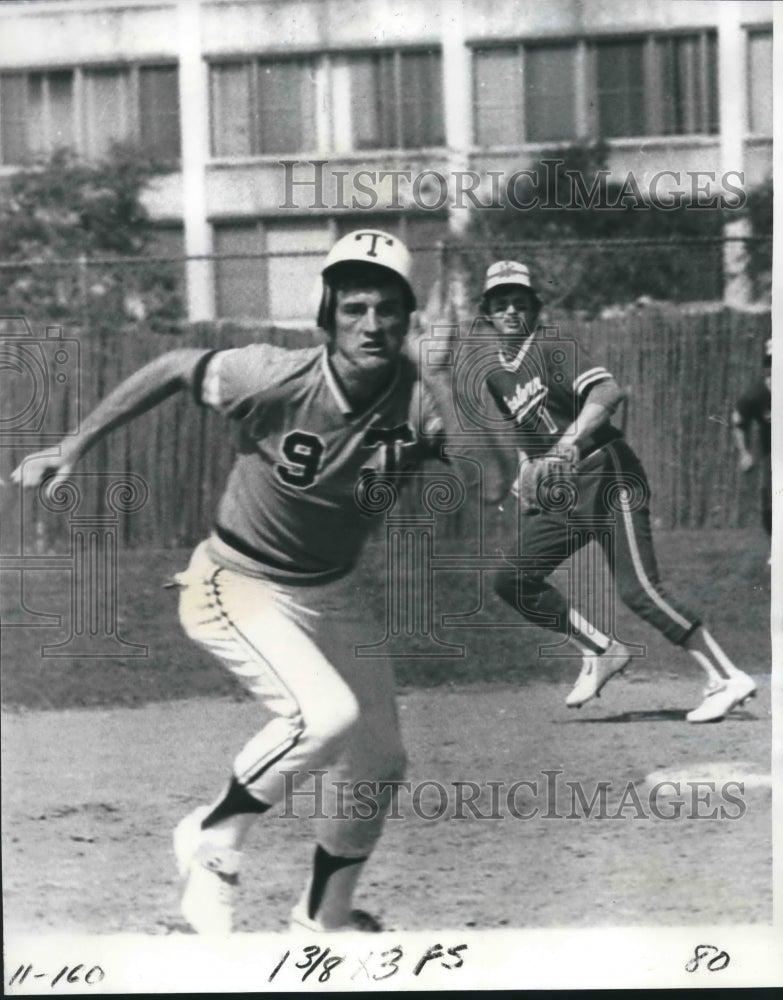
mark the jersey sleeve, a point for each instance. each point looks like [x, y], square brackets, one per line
[607, 393]
[225, 380]
[588, 377]
[583, 376]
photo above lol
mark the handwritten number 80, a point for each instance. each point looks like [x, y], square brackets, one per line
[715, 964]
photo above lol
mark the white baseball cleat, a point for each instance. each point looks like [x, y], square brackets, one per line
[595, 672]
[358, 920]
[720, 698]
[211, 874]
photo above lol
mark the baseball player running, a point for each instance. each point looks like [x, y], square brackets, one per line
[312, 424]
[577, 473]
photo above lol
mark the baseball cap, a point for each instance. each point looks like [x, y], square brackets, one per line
[508, 272]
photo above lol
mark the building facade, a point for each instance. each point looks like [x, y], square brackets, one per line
[288, 122]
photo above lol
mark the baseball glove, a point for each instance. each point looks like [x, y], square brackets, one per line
[537, 476]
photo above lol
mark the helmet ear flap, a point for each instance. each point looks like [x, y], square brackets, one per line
[326, 307]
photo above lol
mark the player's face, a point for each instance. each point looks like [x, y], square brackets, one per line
[512, 311]
[370, 325]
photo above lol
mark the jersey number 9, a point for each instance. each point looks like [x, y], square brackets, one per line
[303, 453]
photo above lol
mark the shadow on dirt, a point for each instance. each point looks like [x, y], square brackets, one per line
[654, 715]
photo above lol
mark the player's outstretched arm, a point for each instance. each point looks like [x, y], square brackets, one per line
[138, 393]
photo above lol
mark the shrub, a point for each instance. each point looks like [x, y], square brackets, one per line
[65, 227]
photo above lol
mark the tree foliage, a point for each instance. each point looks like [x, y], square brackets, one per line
[758, 211]
[67, 225]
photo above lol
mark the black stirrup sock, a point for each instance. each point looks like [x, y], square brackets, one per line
[235, 800]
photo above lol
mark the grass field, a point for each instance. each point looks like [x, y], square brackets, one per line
[723, 575]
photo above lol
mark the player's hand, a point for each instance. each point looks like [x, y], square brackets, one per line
[746, 461]
[561, 460]
[42, 466]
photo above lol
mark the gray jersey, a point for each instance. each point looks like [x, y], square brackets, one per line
[290, 501]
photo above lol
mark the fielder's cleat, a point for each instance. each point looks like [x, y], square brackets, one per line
[721, 698]
[211, 874]
[596, 671]
[358, 920]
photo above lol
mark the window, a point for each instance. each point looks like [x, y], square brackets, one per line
[159, 111]
[381, 100]
[497, 76]
[396, 100]
[107, 110]
[286, 107]
[277, 286]
[421, 87]
[372, 103]
[687, 81]
[297, 250]
[530, 92]
[422, 233]
[760, 82]
[36, 115]
[550, 105]
[13, 103]
[231, 132]
[239, 281]
[263, 106]
[660, 85]
[118, 104]
[620, 88]
[524, 93]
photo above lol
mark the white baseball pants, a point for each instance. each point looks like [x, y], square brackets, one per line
[293, 649]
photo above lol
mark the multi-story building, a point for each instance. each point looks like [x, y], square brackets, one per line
[289, 122]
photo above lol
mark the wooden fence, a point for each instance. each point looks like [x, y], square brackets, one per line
[683, 373]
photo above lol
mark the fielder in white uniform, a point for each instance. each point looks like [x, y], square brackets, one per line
[311, 424]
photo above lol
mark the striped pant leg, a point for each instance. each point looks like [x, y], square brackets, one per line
[257, 632]
[631, 553]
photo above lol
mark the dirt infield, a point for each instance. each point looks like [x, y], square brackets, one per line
[90, 798]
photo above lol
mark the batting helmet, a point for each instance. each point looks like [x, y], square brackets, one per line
[354, 253]
[508, 272]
